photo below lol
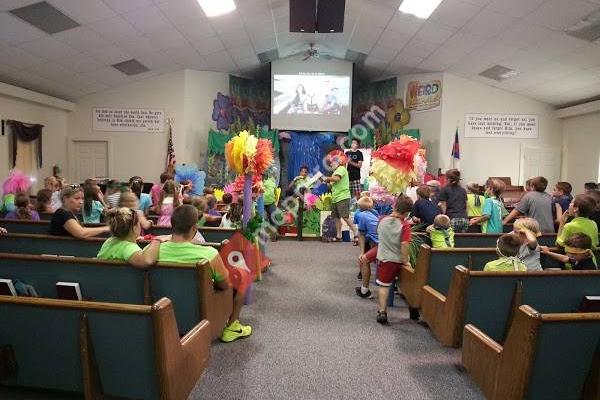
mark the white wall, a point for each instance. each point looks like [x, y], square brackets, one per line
[480, 157]
[581, 141]
[54, 134]
[201, 88]
[186, 96]
[428, 122]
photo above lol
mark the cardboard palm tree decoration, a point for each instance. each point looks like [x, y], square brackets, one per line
[397, 117]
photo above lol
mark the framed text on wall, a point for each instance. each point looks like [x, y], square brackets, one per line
[513, 126]
[128, 119]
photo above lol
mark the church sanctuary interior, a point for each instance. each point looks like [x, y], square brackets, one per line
[299, 199]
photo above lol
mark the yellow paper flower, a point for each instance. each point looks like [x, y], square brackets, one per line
[219, 194]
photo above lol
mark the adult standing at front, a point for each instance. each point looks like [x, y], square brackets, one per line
[536, 204]
[355, 160]
[453, 201]
[340, 197]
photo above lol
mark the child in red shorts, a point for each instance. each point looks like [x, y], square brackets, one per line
[392, 252]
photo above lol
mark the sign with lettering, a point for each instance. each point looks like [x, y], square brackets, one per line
[423, 95]
[513, 126]
[128, 119]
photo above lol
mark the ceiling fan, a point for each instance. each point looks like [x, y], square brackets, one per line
[315, 52]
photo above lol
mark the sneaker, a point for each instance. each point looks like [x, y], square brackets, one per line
[359, 276]
[382, 318]
[235, 331]
[359, 293]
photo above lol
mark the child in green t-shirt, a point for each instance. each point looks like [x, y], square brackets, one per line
[441, 233]
[180, 249]
[507, 247]
[125, 228]
[579, 254]
[581, 208]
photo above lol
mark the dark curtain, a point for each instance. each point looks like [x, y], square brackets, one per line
[26, 133]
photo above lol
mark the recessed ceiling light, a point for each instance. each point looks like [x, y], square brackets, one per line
[419, 8]
[301, 30]
[332, 30]
[214, 8]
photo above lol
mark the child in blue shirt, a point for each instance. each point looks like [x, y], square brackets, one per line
[491, 218]
[424, 210]
[367, 221]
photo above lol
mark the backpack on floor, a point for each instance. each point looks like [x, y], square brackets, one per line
[329, 231]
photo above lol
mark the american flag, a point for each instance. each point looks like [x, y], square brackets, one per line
[170, 150]
[455, 151]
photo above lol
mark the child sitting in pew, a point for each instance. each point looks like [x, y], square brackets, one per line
[211, 202]
[128, 199]
[64, 221]
[202, 206]
[474, 201]
[93, 206]
[53, 185]
[227, 200]
[581, 208]
[424, 209]
[528, 230]
[507, 247]
[23, 209]
[579, 254]
[366, 221]
[491, 214]
[170, 198]
[136, 184]
[125, 228]
[43, 201]
[440, 232]
[392, 252]
[113, 193]
[233, 218]
[157, 187]
[180, 249]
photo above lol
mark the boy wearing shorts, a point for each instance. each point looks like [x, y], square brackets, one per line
[340, 197]
[392, 252]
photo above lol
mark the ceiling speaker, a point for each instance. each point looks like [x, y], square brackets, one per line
[330, 16]
[302, 15]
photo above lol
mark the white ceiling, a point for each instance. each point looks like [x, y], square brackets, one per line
[463, 37]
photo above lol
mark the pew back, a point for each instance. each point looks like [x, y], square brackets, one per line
[112, 281]
[48, 353]
[490, 295]
[23, 243]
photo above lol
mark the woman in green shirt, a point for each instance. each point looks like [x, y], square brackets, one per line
[125, 228]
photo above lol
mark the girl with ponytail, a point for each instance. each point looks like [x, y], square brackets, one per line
[23, 209]
[125, 228]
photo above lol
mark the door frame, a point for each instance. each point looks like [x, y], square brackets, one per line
[525, 146]
[71, 147]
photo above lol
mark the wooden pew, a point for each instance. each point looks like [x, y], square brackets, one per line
[189, 286]
[41, 228]
[486, 299]
[122, 350]
[23, 243]
[434, 267]
[545, 356]
[489, 240]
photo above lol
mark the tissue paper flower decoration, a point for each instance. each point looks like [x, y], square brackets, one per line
[219, 194]
[310, 200]
[257, 184]
[380, 195]
[324, 202]
[190, 173]
[337, 156]
[228, 188]
[222, 111]
[16, 182]
[247, 154]
[393, 164]
[420, 165]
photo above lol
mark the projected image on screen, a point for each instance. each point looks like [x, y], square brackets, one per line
[311, 94]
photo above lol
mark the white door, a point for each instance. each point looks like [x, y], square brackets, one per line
[540, 161]
[91, 159]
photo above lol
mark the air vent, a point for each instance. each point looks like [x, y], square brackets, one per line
[587, 29]
[499, 73]
[268, 56]
[355, 56]
[45, 17]
[131, 67]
